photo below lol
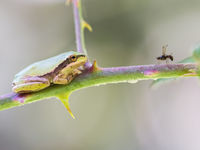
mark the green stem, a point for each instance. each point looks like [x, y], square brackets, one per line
[101, 76]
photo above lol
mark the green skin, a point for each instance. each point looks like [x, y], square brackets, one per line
[60, 69]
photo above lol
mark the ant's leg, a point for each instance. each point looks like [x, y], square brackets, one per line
[159, 62]
[167, 61]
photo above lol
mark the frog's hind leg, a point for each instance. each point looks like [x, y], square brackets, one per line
[31, 84]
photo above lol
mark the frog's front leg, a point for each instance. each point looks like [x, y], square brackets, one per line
[31, 84]
[66, 78]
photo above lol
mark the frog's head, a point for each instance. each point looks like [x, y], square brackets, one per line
[76, 60]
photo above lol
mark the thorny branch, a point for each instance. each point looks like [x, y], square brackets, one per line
[94, 75]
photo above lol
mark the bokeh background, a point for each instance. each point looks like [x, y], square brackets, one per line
[112, 117]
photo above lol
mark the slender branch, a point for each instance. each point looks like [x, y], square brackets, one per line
[101, 76]
[79, 29]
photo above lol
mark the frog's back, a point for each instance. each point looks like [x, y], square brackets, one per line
[43, 67]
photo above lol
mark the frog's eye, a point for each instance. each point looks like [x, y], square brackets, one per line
[73, 58]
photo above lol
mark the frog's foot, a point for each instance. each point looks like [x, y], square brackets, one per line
[61, 79]
[31, 84]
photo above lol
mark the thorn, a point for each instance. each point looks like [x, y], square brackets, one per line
[67, 2]
[86, 25]
[65, 100]
[95, 66]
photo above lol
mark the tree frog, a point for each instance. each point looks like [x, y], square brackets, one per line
[60, 69]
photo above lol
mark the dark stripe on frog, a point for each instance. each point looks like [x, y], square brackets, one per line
[81, 56]
[62, 65]
[52, 74]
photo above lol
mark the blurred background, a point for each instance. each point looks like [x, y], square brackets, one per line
[112, 117]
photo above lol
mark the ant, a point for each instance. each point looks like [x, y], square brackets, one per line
[164, 56]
